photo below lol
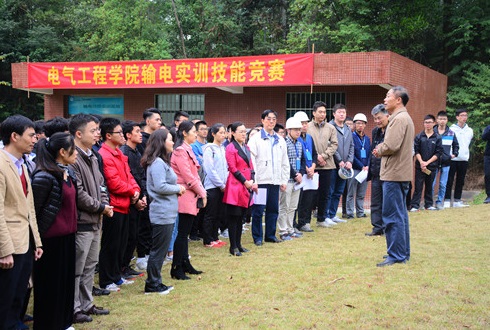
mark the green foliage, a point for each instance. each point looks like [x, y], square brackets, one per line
[473, 94]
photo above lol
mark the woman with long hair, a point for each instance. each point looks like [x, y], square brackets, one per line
[239, 186]
[162, 187]
[216, 172]
[55, 192]
[185, 165]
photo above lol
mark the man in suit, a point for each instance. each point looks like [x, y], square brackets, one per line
[20, 243]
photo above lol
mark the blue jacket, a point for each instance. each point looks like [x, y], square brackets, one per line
[361, 144]
[308, 148]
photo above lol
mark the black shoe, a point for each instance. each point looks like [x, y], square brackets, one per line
[487, 201]
[273, 240]
[94, 310]
[100, 292]
[235, 252]
[79, 317]
[129, 272]
[344, 215]
[187, 267]
[178, 273]
[362, 216]
[350, 217]
[160, 289]
[375, 233]
[258, 243]
[389, 262]
[243, 250]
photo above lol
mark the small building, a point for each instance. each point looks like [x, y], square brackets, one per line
[236, 88]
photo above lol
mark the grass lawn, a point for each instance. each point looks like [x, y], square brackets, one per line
[327, 279]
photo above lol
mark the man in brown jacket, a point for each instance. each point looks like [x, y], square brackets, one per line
[20, 243]
[324, 137]
[396, 171]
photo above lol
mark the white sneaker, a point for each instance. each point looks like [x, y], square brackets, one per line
[447, 203]
[432, 208]
[112, 287]
[323, 224]
[338, 220]
[460, 204]
[330, 222]
[141, 264]
[413, 209]
[224, 233]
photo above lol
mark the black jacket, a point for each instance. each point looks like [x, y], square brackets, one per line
[428, 147]
[47, 197]
[377, 136]
[138, 172]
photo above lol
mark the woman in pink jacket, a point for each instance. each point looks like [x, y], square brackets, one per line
[185, 165]
[239, 186]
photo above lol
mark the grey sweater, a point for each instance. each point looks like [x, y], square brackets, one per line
[345, 151]
[161, 184]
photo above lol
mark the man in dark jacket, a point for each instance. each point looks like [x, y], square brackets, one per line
[428, 149]
[486, 162]
[92, 203]
[132, 133]
[380, 116]
[450, 148]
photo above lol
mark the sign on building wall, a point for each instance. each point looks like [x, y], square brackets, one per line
[264, 70]
[100, 105]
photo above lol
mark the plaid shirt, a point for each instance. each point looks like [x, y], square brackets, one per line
[295, 151]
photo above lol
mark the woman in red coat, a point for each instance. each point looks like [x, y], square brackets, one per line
[185, 165]
[239, 185]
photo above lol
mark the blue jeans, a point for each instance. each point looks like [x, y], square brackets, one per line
[442, 183]
[337, 185]
[395, 218]
[174, 234]
[271, 212]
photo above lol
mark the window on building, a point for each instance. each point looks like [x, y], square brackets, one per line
[168, 104]
[304, 102]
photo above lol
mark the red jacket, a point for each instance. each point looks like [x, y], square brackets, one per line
[120, 182]
[241, 169]
[185, 165]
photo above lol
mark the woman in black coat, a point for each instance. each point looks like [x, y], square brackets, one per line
[54, 189]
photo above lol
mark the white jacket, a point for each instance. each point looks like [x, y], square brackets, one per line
[270, 158]
[464, 135]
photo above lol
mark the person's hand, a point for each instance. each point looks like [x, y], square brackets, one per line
[283, 187]
[255, 187]
[108, 211]
[38, 253]
[182, 190]
[376, 153]
[144, 201]
[365, 168]
[136, 195]
[140, 205]
[348, 165]
[7, 262]
[204, 202]
[248, 184]
[298, 178]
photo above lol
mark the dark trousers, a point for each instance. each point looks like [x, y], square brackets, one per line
[377, 205]
[486, 167]
[112, 247]
[196, 230]
[423, 181]
[344, 200]
[323, 193]
[271, 212]
[213, 215]
[235, 230]
[305, 206]
[181, 245]
[144, 234]
[459, 169]
[54, 284]
[162, 235]
[13, 288]
[395, 217]
[337, 185]
[134, 219]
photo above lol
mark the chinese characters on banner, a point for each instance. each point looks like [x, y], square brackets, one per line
[266, 70]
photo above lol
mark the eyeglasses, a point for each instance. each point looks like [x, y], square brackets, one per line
[118, 132]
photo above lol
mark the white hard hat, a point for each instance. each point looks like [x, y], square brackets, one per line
[361, 117]
[293, 123]
[302, 116]
[345, 173]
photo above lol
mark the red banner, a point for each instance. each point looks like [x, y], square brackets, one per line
[264, 70]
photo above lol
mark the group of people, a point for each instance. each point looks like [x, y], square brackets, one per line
[83, 194]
